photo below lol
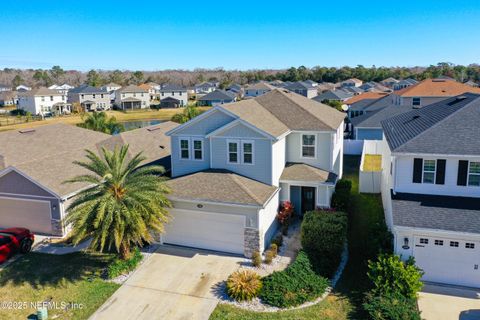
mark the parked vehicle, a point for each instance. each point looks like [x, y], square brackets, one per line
[13, 240]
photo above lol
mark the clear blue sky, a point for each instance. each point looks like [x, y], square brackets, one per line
[157, 35]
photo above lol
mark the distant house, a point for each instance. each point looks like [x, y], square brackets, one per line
[43, 101]
[353, 90]
[353, 82]
[204, 88]
[276, 83]
[151, 90]
[90, 98]
[257, 89]
[110, 87]
[311, 83]
[430, 91]
[177, 96]
[373, 86]
[4, 87]
[364, 96]
[367, 104]
[472, 84]
[304, 88]
[217, 97]
[389, 82]
[23, 88]
[404, 84]
[333, 95]
[237, 89]
[155, 86]
[63, 89]
[132, 97]
[8, 98]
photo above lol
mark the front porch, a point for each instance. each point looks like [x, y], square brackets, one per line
[307, 187]
[62, 108]
[88, 105]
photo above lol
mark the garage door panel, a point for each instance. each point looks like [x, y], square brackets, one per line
[447, 264]
[213, 231]
[32, 214]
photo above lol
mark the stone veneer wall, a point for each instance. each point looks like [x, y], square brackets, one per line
[57, 228]
[252, 241]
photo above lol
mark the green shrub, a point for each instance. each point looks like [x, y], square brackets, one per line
[243, 285]
[274, 249]
[119, 267]
[390, 275]
[278, 240]
[323, 237]
[344, 185]
[269, 255]
[293, 286]
[256, 259]
[342, 196]
[391, 307]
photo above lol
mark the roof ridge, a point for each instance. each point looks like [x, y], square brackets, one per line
[236, 179]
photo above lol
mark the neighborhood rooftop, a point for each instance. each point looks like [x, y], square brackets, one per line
[436, 88]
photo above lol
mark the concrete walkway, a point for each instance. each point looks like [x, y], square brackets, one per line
[174, 283]
[437, 302]
[45, 246]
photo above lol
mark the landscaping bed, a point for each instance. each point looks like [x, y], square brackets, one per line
[72, 283]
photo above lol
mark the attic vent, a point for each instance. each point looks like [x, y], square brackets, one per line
[27, 131]
[457, 100]
[153, 128]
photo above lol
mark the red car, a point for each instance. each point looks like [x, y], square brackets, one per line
[13, 240]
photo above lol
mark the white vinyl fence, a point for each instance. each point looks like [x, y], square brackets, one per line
[370, 181]
[352, 147]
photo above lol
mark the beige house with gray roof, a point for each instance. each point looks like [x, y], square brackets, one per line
[132, 97]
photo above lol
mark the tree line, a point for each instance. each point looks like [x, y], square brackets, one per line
[47, 77]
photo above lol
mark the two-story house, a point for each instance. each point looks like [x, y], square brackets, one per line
[234, 164]
[353, 82]
[204, 88]
[63, 89]
[430, 91]
[90, 98]
[303, 88]
[43, 101]
[132, 97]
[172, 95]
[257, 89]
[217, 97]
[431, 188]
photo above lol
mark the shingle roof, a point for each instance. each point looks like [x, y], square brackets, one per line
[260, 86]
[366, 95]
[436, 88]
[447, 127]
[333, 95]
[218, 95]
[305, 172]
[374, 119]
[221, 186]
[460, 214]
[172, 87]
[42, 91]
[86, 89]
[132, 88]
[300, 85]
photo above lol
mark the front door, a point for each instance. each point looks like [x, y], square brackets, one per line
[308, 199]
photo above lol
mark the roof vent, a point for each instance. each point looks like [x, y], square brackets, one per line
[438, 80]
[162, 147]
[27, 131]
[153, 128]
[415, 117]
[457, 100]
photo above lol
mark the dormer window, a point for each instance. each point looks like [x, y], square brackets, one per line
[308, 146]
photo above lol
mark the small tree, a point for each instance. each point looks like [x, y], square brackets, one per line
[99, 121]
[391, 275]
[188, 114]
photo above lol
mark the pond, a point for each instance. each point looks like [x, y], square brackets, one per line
[135, 124]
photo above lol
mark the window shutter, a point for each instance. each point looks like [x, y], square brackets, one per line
[462, 173]
[417, 170]
[440, 179]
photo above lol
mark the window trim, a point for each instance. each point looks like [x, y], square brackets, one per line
[180, 139]
[252, 142]
[474, 174]
[314, 146]
[419, 101]
[228, 151]
[201, 149]
[434, 172]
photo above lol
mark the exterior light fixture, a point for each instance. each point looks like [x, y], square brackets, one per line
[405, 244]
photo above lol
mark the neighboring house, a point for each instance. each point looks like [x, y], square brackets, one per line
[389, 82]
[373, 86]
[430, 91]
[353, 90]
[276, 83]
[90, 98]
[204, 88]
[367, 105]
[257, 89]
[303, 88]
[234, 164]
[431, 188]
[217, 97]
[402, 84]
[353, 82]
[311, 83]
[63, 89]
[111, 87]
[155, 86]
[237, 89]
[23, 88]
[32, 189]
[150, 89]
[43, 101]
[132, 97]
[472, 84]
[4, 88]
[364, 96]
[8, 98]
[333, 95]
[177, 95]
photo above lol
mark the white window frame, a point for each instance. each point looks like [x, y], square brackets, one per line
[238, 151]
[201, 149]
[314, 146]
[180, 139]
[434, 172]
[473, 174]
[253, 152]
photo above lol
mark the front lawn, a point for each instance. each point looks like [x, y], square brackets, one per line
[63, 279]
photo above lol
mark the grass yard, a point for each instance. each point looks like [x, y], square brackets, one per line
[72, 278]
[347, 298]
[162, 114]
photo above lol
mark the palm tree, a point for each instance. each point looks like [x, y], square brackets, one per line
[125, 205]
[188, 114]
[99, 121]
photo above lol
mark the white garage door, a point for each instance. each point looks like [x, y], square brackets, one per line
[32, 214]
[450, 261]
[213, 231]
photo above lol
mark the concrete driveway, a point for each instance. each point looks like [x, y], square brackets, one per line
[437, 302]
[174, 283]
